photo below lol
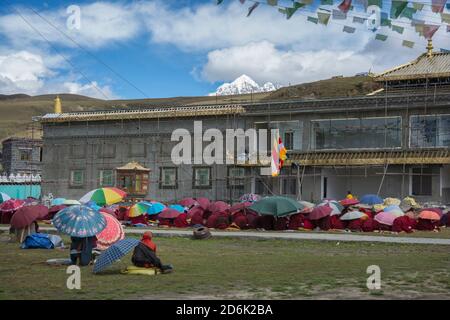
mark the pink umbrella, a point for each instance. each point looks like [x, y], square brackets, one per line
[203, 203]
[11, 205]
[112, 233]
[169, 213]
[26, 215]
[320, 212]
[218, 206]
[239, 206]
[349, 202]
[386, 218]
[195, 210]
[188, 202]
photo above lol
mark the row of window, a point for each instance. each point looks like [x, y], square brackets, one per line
[168, 179]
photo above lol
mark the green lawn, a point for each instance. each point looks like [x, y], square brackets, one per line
[231, 268]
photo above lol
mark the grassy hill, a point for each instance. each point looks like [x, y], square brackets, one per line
[16, 111]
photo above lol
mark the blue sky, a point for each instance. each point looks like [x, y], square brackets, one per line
[184, 48]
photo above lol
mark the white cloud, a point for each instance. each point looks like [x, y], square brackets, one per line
[31, 73]
[264, 62]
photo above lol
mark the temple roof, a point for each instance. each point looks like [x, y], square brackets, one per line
[434, 65]
[133, 166]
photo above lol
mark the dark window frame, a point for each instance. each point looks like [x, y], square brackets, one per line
[194, 185]
[161, 186]
[234, 178]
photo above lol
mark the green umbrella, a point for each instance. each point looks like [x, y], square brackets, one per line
[276, 206]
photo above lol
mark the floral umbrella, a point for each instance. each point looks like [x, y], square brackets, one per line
[320, 212]
[112, 233]
[79, 221]
[335, 206]
[11, 205]
[250, 197]
[4, 197]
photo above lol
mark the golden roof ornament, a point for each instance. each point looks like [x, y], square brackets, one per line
[58, 107]
[430, 48]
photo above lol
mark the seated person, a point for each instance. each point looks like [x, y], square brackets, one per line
[144, 255]
[81, 250]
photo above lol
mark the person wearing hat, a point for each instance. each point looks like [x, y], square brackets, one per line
[144, 254]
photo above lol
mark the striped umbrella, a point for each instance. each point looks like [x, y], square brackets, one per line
[104, 196]
[138, 209]
[114, 253]
[79, 221]
[112, 233]
[4, 197]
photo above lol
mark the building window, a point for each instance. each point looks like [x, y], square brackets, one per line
[290, 132]
[25, 154]
[236, 177]
[76, 178]
[288, 140]
[168, 178]
[289, 186]
[422, 181]
[202, 178]
[366, 133]
[107, 150]
[430, 131]
[106, 178]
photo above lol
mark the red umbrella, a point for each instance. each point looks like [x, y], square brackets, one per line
[195, 210]
[112, 233]
[203, 203]
[27, 215]
[218, 206]
[349, 202]
[54, 210]
[11, 205]
[319, 212]
[169, 213]
[188, 202]
[437, 210]
[239, 207]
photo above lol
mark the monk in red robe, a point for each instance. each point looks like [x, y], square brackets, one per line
[370, 225]
[355, 225]
[427, 225]
[403, 224]
[336, 222]
[181, 221]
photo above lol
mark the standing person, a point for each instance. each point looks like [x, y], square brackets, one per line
[144, 254]
[81, 250]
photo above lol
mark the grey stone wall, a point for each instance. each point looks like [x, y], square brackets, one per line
[11, 160]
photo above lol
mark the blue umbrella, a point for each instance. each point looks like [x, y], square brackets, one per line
[114, 253]
[371, 199]
[177, 207]
[156, 207]
[58, 201]
[79, 221]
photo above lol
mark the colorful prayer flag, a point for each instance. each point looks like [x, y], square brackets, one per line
[326, 2]
[408, 13]
[408, 44]
[252, 8]
[378, 3]
[445, 17]
[290, 11]
[349, 29]
[381, 37]
[397, 7]
[313, 19]
[338, 15]
[219, 1]
[418, 6]
[272, 2]
[429, 30]
[345, 6]
[437, 6]
[398, 29]
[324, 18]
[359, 20]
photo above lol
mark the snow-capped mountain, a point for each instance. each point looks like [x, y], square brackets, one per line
[242, 85]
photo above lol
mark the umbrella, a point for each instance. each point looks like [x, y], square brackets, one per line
[371, 199]
[112, 233]
[114, 253]
[30, 201]
[353, 215]
[71, 203]
[11, 205]
[26, 215]
[177, 207]
[437, 210]
[138, 209]
[239, 206]
[55, 209]
[4, 197]
[188, 202]
[218, 206]
[169, 213]
[79, 221]
[91, 204]
[203, 203]
[104, 196]
[386, 218]
[276, 206]
[307, 204]
[349, 202]
[429, 215]
[394, 210]
[391, 201]
[320, 212]
[379, 207]
[155, 208]
[57, 201]
[335, 206]
[250, 197]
